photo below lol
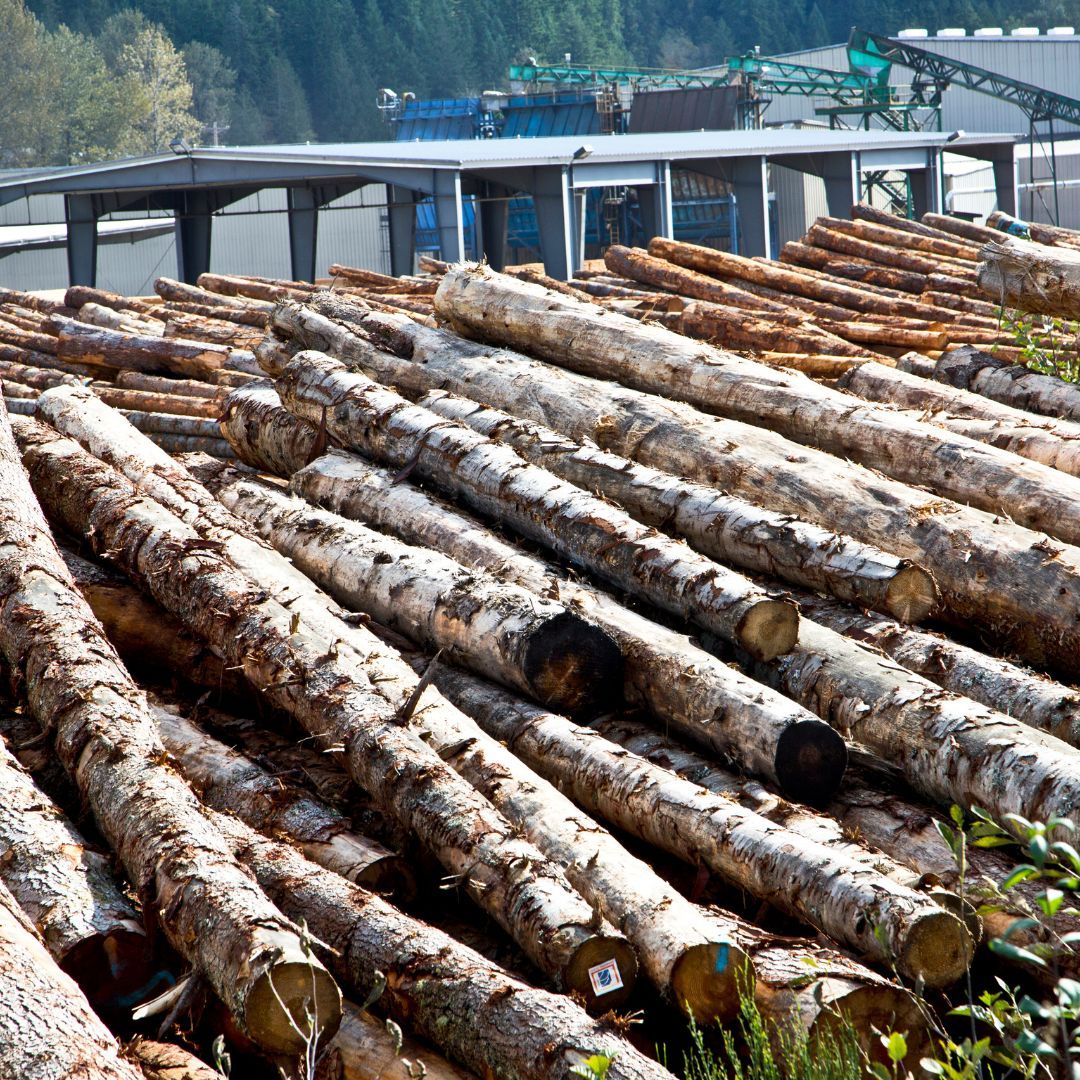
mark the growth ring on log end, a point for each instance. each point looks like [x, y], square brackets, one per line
[603, 971]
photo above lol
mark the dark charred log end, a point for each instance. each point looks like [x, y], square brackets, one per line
[116, 971]
[306, 990]
[574, 667]
[769, 629]
[810, 761]
[937, 948]
[603, 971]
[871, 1010]
[912, 595]
[707, 981]
[390, 877]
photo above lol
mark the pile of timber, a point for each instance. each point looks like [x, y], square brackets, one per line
[461, 578]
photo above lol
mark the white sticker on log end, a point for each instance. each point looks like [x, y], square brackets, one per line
[605, 977]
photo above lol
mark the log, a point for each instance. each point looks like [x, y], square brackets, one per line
[28, 339]
[18, 391]
[782, 277]
[866, 212]
[226, 377]
[963, 304]
[734, 328]
[967, 230]
[255, 318]
[191, 444]
[867, 333]
[179, 292]
[154, 423]
[218, 331]
[341, 700]
[126, 321]
[249, 288]
[906, 831]
[999, 684]
[472, 1010]
[163, 385]
[47, 1029]
[763, 467]
[1041, 233]
[364, 1049]
[78, 295]
[227, 781]
[691, 956]
[69, 893]
[915, 363]
[1011, 384]
[95, 345]
[31, 375]
[905, 239]
[641, 266]
[861, 270]
[761, 730]
[143, 634]
[355, 275]
[152, 401]
[31, 358]
[816, 365]
[820, 886]
[501, 631]
[994, 761]
[492, 479]
[1020, 274]
[948, 283]
[1054, 443]
[210, 910]
[665, 671]
[35, 303]
[885, 254]
[726, 528]
[167, 1061]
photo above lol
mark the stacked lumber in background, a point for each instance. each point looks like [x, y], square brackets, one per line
[326, 602]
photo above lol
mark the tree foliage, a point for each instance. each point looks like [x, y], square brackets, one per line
[294, 70]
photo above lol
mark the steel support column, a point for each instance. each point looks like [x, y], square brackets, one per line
[555, 210]
[493, 216]
[1006, 183]
[80, 213]
[449, 215]
[841, 175]
[401, 217]
[657, 214]
[194, 224]
[303, 212]
[750, 179]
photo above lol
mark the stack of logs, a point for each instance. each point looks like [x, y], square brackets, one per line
[315, 599]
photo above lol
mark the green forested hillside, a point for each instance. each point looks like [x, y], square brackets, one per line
[310, 69]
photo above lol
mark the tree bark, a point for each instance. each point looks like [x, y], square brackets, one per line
[47, 1029]
[191, 427]
[993, 762]
[151, 401]
[864, 910]
[163, 384]
[125, 321]
[884, 254]
[784, 278]
[1015, 691]
[715, 524]
[905, 239]
[218, 331]
[342, 700]
[363, 1049]
[86, 344]
[861, 270]
[167, 1061]
[1032, 277]
[179, 292]
[1011, 384]
[578, 526]
[773, 472]
[707, 701]
[69, 893]
[210, 910]
[501, 631]
[735, 328]
[1054, 443]
[267, 437]
[32, 375]
[227, 781]
[1000, 222]
[468, 1007]
[253, 317]
[967, 230]
[250, 288]
[866, 212]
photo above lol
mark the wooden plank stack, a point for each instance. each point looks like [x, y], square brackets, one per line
[455, 581]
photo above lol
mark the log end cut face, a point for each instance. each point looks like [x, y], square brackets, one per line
[708, 980]
[912, 595]
[811, 758]
[288, 1003]
[574, 667]
[770, 628]
[603, 971]
[936, 948]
